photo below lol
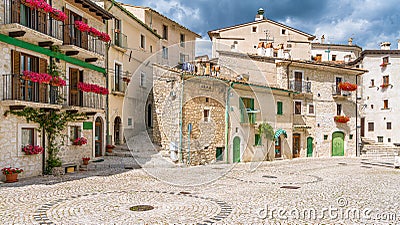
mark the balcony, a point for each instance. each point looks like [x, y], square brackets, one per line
[249, 116]
[300, 86]
[119, 85]
[120, 40]
[80, 43]
[337, 93]
[19, 92]
[85, 102]
[30, 25]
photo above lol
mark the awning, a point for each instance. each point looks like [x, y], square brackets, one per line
[279, 132]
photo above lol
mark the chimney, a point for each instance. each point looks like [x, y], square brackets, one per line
[260, 14]
[350, 41]
[385, 45]
[323, 39]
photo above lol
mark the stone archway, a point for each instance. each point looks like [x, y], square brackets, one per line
[117, 130]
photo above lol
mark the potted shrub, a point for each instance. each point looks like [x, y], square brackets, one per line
[32, 149]
[341, 119]
[11, 174]
[109, 148]
[80, 141]
[85, 160]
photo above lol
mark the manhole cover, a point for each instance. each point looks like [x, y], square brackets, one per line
[290, 187]
[268, 176]
[184, 193]
[141, 208]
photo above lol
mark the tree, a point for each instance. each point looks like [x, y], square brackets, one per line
[267, 131]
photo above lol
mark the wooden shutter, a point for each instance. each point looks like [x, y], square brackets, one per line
[15, 11]
[242, 110]
[16, 71]
[42, 23]
[84, 36]
[279, 110]
[67, 28]
[43, 93]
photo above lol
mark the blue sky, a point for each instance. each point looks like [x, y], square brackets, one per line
[369, 22]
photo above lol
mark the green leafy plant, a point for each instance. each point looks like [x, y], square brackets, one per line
[267, 131]
[53, 123]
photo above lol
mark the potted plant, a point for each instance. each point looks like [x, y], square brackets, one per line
[341, 119]
[32, 149]
[80, 141]
[11, 174]
[109, 148]
[85, 160]
[346, 86]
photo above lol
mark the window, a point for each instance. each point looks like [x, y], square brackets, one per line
[142, 41]
[257, 140]
[338, 109]
[151, 48]
[372, 106]
[385, 80]
[279, 106]
[372, 83]
[165, 32]
[325, 137]
[283, 32]
[182, 58]
[118, 77]
[297, 107]
[388, 125]
[219, 154]
[311, 109]
[333, 57]
[351, 137]
[385, 104]
[130, 122]
[371, 126]
[207, 99]
[246, 106]
[164, 52]
[117, 32]
[389, 140]
[27, 136]
[142, 79]
[183, 40]
[385, 60]
[380, 139]
[206, 114]
[254, 29]
[74, 132]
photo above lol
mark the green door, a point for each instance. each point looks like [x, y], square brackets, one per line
[338, 144]
[236, 149]
[309, 147]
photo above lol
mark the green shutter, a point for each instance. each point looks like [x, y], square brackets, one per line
[279, 108]
[252, 104]
[242, 110]
[257, 139]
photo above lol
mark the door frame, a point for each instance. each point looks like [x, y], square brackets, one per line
[117, 119]
[233, 149]
[296, 136]
[101, 136]
[344, 135]
[278, 146]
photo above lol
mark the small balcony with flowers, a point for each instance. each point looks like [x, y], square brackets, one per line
[31, 89]
[343, 90]
[33, 21]
[84, 32]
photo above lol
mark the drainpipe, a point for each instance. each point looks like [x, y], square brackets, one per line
[180, 120]
[227, 121]
[357, 147]
[108, 139]
[44, 152]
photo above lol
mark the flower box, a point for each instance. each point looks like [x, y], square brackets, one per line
[58, 15]
[341, 119]
[80, 141]
[82, 26]
[32, 149]
[346, 86]
[94, 88]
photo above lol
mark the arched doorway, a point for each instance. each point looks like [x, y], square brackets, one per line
[338, 143]
[98, 137]
[236, 149]
[149, 116]
[278, 147]
[296, 145]
[117, 130]
[310, 146]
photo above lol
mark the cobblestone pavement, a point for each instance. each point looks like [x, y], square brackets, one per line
[339, 190]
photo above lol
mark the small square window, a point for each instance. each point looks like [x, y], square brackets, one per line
[385, 80]
[279, 108]
[380, 139]
[389, 140]
[385, 104]
[297, 108]
[207, 99]
[333, 57]
[183, 40]
[351, 137]
[371, 126]
[254, 29]
[385, 60]
[325, 137]
[388, 125]
[372, 106]
[311, 109]
[372, 83]
[28, 136]
[283, 32]
[130, 122]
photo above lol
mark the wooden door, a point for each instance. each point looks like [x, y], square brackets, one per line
[296, 145]
[298, 81]
[338, 81]
[117, 130]
[236, 149]
[98, 137]
[338, 144]
[362, 127]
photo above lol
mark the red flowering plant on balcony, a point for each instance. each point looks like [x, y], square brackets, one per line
[58, 82]
[32, 149]
[41, 78]
[10, 170]
[94, 88]
[105, 37]
[346, 86]
[80, 141]
[94, 32]
[82, 26]
[341, 119]
[58, 15]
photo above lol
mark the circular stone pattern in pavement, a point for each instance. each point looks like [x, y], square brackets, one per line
[116, 208]
[262, 176]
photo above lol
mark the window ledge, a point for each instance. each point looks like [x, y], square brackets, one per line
[386, 109]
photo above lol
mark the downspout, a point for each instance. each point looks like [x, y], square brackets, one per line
[44, 152]
[357, 147]
[227, 121]
[180, 120]
[108, 139]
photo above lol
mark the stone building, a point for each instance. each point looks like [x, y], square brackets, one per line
[26, 34]
[264, 37]
[335, 53]
[379, 110]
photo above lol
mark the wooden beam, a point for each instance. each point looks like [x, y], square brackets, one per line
[15, 34]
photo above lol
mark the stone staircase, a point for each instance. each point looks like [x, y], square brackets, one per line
[378, 154]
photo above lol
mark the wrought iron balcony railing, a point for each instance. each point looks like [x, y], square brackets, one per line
[300, 86]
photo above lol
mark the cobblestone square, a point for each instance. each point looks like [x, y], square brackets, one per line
[316, 191]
